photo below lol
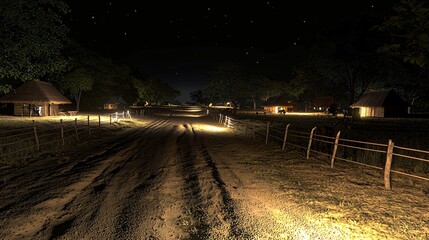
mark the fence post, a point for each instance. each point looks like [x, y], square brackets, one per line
[220, 117]
[62, 131]
[89, 128]
[334, 152]
[268, 132]
[285, 137]
[35, 136]
[75, 129]
[309, 142]
[99, 121]
[389, 157]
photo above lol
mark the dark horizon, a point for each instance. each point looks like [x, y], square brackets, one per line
[161, 39]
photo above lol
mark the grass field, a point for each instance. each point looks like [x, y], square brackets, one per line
[405, 132]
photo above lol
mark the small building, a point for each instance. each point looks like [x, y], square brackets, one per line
[321, 104]
[114, 103]
[279, 104]
[35, 98]
[381, 103]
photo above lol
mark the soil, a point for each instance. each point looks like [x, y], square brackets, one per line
[184, 176]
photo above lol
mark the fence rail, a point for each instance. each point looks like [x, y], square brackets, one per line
[331, 146]
[29, 141]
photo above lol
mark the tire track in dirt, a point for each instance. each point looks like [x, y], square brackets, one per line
[53, 199]
[192, 192]
[115, 214]
[212, 210]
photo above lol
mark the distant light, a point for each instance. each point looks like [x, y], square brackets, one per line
[304, 21]
[92, 17]
[209, 9]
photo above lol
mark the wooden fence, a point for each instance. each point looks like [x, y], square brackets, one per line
[330, 147]
[31, 141]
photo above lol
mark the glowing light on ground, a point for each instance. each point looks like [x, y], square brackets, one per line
[209, 128]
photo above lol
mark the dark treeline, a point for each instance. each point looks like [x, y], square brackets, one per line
[343, 60]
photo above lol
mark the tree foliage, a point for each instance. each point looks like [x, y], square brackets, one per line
[231, 82]
[154, 91]
[408, 29]
[227, 83]
[77, 81]
[32, 35]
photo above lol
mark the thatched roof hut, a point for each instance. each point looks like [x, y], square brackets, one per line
[381, 103]
[35, 93]
[279, 104]
[116, 102]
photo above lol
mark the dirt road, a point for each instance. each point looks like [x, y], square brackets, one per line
[182, 176]
[157, 182]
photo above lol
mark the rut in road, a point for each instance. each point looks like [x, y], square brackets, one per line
[157, 182]
[53, 188]
[213, 211]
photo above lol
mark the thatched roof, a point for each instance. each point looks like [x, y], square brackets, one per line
[116, 100]
[380, 98]
[277, 101]
[35, 92]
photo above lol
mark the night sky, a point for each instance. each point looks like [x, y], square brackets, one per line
[180, 41]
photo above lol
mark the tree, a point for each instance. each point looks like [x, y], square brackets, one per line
[198, 96]
[32, 36]
[77, 81]
[227, 83]
[408, 29]
[260, 88]
[154, 91]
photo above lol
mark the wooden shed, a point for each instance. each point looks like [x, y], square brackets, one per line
[279, 104]
[381, 103]
[35, 96]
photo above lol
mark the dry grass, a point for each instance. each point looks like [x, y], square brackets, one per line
[314, 201]
[405, 132]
